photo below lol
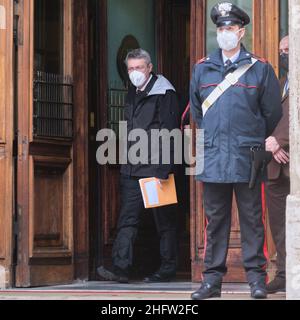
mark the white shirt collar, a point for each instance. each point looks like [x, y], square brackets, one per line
[233, 58]
[145, 85]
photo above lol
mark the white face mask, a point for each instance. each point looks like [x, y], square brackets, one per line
[228, 40]
[137, 78]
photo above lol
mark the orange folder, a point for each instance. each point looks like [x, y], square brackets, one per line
[158, 195]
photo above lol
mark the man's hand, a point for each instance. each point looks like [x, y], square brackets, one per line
[272, 145]
[281, 156]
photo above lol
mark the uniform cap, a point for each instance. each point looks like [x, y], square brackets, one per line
[226, 14]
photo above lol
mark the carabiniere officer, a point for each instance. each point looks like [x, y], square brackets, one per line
[241, 117]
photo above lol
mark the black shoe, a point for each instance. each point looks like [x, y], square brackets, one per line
[206, 291]
[277, 285]
[111, 276]
[158, 277]
[258, 290]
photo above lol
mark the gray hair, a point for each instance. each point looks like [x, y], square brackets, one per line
[138, 54]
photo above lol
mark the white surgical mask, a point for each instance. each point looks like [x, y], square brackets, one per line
[137, 78]
[228, 40]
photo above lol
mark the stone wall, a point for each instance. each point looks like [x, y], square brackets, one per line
[293, 202]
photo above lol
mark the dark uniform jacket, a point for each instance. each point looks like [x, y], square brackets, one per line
[154, 108]
[243, 117]
[281, 133]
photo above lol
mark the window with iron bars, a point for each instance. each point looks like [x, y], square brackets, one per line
[116, 102]
[53, 106]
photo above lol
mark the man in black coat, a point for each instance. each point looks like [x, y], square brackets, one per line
[151, 104]
[239, 119]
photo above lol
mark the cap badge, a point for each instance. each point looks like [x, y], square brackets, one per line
[225, 8]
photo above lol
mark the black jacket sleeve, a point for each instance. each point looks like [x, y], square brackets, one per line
[270, 100]
[169, 118]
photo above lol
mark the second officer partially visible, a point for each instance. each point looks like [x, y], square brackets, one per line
[235, 98]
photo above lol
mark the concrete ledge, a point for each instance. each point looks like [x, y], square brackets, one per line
[293, 247]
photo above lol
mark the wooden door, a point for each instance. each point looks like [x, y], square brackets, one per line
[265, 39]
[44, 113]
[6, 142]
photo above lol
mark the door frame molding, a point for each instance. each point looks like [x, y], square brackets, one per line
[197, 221]
[24, 167]
[81, 140]
[6, 145]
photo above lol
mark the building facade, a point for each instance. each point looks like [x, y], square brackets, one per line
[62, 79]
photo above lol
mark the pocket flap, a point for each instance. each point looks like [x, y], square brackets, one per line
[208, 141]
[247, 141]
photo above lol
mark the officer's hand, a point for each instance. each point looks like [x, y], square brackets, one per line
[282, 156]
[272, 145]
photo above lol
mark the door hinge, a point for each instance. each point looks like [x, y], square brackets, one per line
[92, 120]
[17, 32]
[22, 148]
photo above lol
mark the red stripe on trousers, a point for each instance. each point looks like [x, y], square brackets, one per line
[263, 203]
[205, 243]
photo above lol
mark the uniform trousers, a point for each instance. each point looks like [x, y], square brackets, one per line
[218, 205]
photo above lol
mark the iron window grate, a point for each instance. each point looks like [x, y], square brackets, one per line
[116, 105]
[53, 106]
